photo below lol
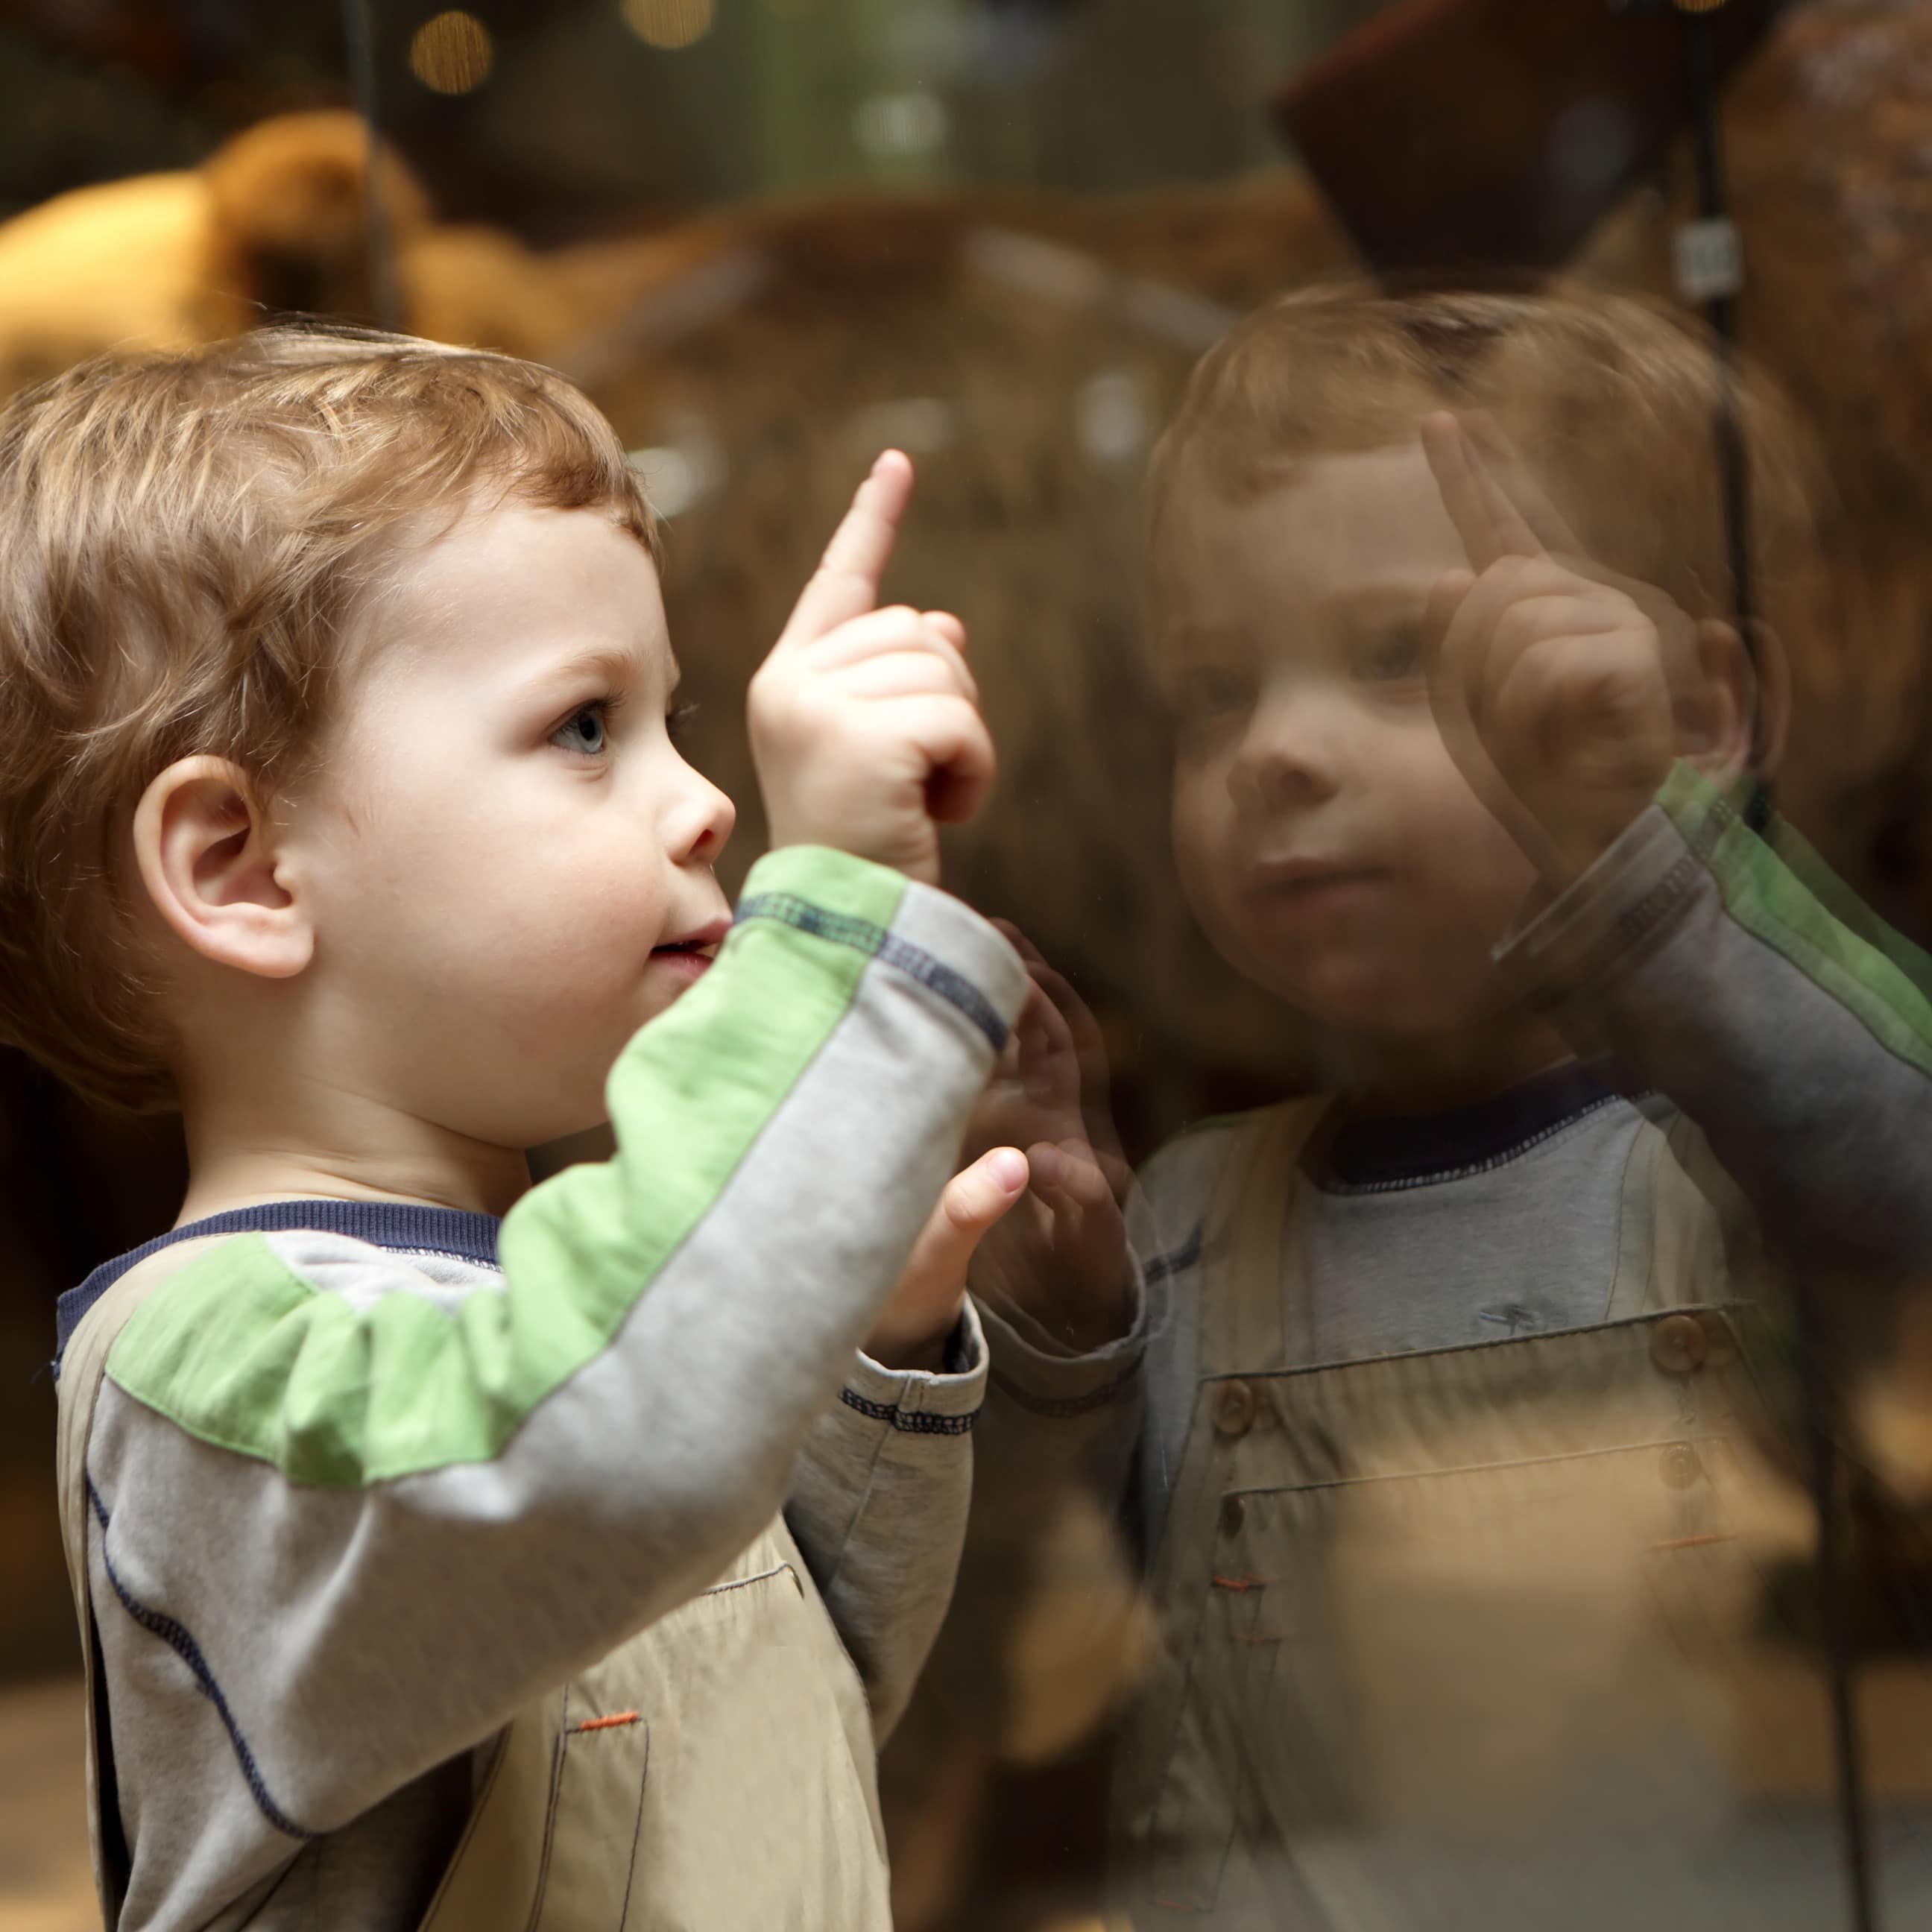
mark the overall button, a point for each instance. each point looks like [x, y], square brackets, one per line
[1234, 1409]
[1679, 1345]
[1233, 1511]
[1679, 1466]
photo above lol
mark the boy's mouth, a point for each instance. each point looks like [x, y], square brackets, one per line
[693, 953]
[1310, 884]
[1288, 875]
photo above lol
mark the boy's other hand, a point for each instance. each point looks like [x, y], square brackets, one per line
[913, 1328]
[1060, 1258]
[1551, 678]
[865, 723]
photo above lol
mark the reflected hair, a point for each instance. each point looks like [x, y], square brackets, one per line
[1612, 400]
[186, 544]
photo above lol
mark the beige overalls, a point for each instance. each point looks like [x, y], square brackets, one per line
[714, 1774]
[1462, 1639]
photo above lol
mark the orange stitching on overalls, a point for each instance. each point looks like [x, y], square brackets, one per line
[605, 1724]
[1242, 1582]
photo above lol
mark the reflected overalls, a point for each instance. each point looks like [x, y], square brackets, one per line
[1475, 1637]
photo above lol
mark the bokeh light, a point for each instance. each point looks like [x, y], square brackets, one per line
[452, 52]
[668, 23]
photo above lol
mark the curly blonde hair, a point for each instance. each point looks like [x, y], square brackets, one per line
[184, 541]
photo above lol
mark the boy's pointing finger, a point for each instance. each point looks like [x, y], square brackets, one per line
[846, 584]
[1510, 477]
[1490, 525]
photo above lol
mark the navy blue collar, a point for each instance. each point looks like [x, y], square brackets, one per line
[1378, 1154]
[400, 1225]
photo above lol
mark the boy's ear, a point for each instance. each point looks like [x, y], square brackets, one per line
[209, 855]
[1734, 719]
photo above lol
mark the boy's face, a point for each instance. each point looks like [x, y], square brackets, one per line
[1326, 840]
[504, 844]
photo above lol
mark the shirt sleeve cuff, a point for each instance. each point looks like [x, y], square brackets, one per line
[921, 1401]
[959, 957]
[1040, 1376]
[1597, 926]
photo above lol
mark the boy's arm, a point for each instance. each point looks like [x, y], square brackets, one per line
[1679, 939]
[1711, 969]
[377, 1524]
[878, 1507]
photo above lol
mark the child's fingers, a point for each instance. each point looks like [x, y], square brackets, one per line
[952, 737]
[1447, 682]
[1018, 941]
[973, 1201]
[975, 1198]
[1045, 1023]
[1511, 476]
[859, 643]
[1490, 525]
[1068, 1171]
[949, 627]
[846, 584]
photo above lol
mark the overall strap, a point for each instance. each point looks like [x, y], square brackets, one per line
[1244, 1288]
[83, 1366]
[1683, 1226]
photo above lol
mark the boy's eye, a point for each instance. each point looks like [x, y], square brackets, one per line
[586, 730]
[1208, 692]
[1390, 655]
[677, 719]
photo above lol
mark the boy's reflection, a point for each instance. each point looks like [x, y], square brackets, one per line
[1450, 1381]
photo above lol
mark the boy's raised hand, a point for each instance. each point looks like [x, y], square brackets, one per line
[865, 722]
[1556, 683]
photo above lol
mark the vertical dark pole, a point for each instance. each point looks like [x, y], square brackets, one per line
[1733, 471]
[1819, 1395]
[359, 30]
[1821, 1410]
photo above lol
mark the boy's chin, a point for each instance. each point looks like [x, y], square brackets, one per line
[1381, 1000]
[592, 1142]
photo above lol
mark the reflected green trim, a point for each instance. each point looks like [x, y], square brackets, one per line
[1793, 906]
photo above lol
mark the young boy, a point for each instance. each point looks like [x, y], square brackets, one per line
[1448, 1493]
[449, 1553]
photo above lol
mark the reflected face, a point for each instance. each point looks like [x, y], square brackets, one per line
[509, 859]
[1329, 846]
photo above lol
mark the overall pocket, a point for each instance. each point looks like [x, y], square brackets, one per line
[755, 1811]
[600, 1764]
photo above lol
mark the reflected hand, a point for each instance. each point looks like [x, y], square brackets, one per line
[1060, 1258]
[1555, 682]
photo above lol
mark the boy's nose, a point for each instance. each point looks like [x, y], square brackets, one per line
[1290, 754]
[706, 816]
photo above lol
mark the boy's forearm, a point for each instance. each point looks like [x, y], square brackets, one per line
[878, 1507]
[510, 1485]
[1711, 971]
